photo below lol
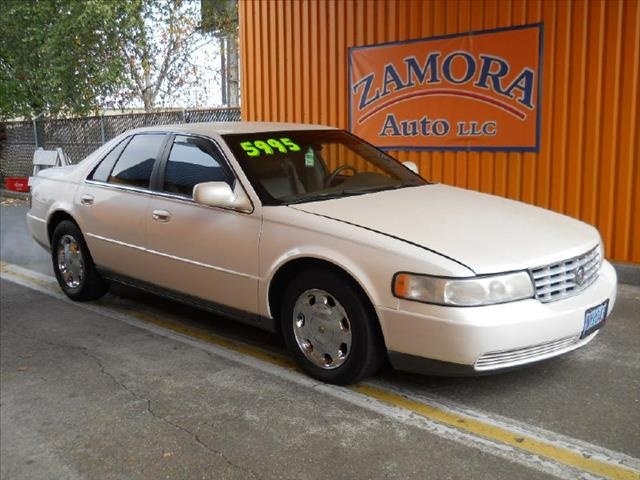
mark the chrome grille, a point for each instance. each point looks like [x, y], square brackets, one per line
[520, 356]
[566, 278]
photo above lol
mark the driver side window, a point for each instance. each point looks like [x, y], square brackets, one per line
[194, 160]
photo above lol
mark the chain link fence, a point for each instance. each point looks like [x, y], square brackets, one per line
[78, 137]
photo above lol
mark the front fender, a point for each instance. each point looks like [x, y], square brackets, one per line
[370, 258]
[326, 255]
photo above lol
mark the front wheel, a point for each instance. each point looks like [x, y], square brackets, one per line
[73, 265]
[329, 330]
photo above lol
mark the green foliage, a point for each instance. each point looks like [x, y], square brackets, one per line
[62, 56]
[220, 17]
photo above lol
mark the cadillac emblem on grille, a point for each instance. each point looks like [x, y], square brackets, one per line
[579, 275]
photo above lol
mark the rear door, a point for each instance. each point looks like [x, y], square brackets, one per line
[112, 202]
[205, 252]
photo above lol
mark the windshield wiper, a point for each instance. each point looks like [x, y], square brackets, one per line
[347, 192]
[382, 188]
[312, 197]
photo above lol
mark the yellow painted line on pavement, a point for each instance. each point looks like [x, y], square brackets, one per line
[211, 338]
[10, 269]
[164, 323]
[500, 434]
[488, 430]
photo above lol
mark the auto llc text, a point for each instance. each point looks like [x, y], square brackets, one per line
[439, 127]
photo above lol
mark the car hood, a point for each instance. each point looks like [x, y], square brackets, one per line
[486, 233]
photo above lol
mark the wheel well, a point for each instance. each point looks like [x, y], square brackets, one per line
[289, 270]
[55, 219]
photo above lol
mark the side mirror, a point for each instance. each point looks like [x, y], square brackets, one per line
[412, 166]
[219, 194]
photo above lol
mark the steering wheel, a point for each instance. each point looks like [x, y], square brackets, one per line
[332, 176]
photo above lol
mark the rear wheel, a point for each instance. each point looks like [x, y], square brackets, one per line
[328, 328]
[73, 265]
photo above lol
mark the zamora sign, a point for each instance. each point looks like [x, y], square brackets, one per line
[471, 91]
[487, 72]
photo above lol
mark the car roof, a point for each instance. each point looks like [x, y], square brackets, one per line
[223, 128]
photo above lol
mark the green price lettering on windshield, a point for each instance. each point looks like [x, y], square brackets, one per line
[294, 147]
[269, 146]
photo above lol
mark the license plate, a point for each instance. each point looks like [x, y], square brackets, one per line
[594, 318]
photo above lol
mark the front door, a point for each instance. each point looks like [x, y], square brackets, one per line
[205, 252]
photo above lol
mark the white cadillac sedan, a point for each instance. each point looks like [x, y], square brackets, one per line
[312, 232]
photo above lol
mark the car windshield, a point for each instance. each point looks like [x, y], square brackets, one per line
[297, 166]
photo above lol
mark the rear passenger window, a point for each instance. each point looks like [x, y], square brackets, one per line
[102, 171]
[193, 160]
[135, 164]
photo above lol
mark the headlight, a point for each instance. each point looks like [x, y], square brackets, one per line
[463, 292]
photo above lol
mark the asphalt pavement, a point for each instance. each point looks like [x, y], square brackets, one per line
[135, 386]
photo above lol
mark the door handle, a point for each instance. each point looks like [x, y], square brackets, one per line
[161, 216]
[86, 199]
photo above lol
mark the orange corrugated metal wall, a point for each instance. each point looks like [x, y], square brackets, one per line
[294, 68]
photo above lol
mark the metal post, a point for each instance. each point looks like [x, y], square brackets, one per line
[35, 128]
[232, 71]
[102, 127]
[223, 72]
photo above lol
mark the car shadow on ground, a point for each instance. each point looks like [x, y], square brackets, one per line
[206, 322]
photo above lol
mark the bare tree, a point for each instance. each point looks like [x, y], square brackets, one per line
[220, 17]
[160, 61]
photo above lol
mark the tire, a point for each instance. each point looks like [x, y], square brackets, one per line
[330, 329]
[73, 265]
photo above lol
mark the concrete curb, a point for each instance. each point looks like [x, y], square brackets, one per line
[628, 273]
[4, 193]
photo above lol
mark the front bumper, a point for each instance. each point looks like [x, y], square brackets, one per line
[472, 340]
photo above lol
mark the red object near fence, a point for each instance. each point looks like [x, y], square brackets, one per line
[17, 184]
